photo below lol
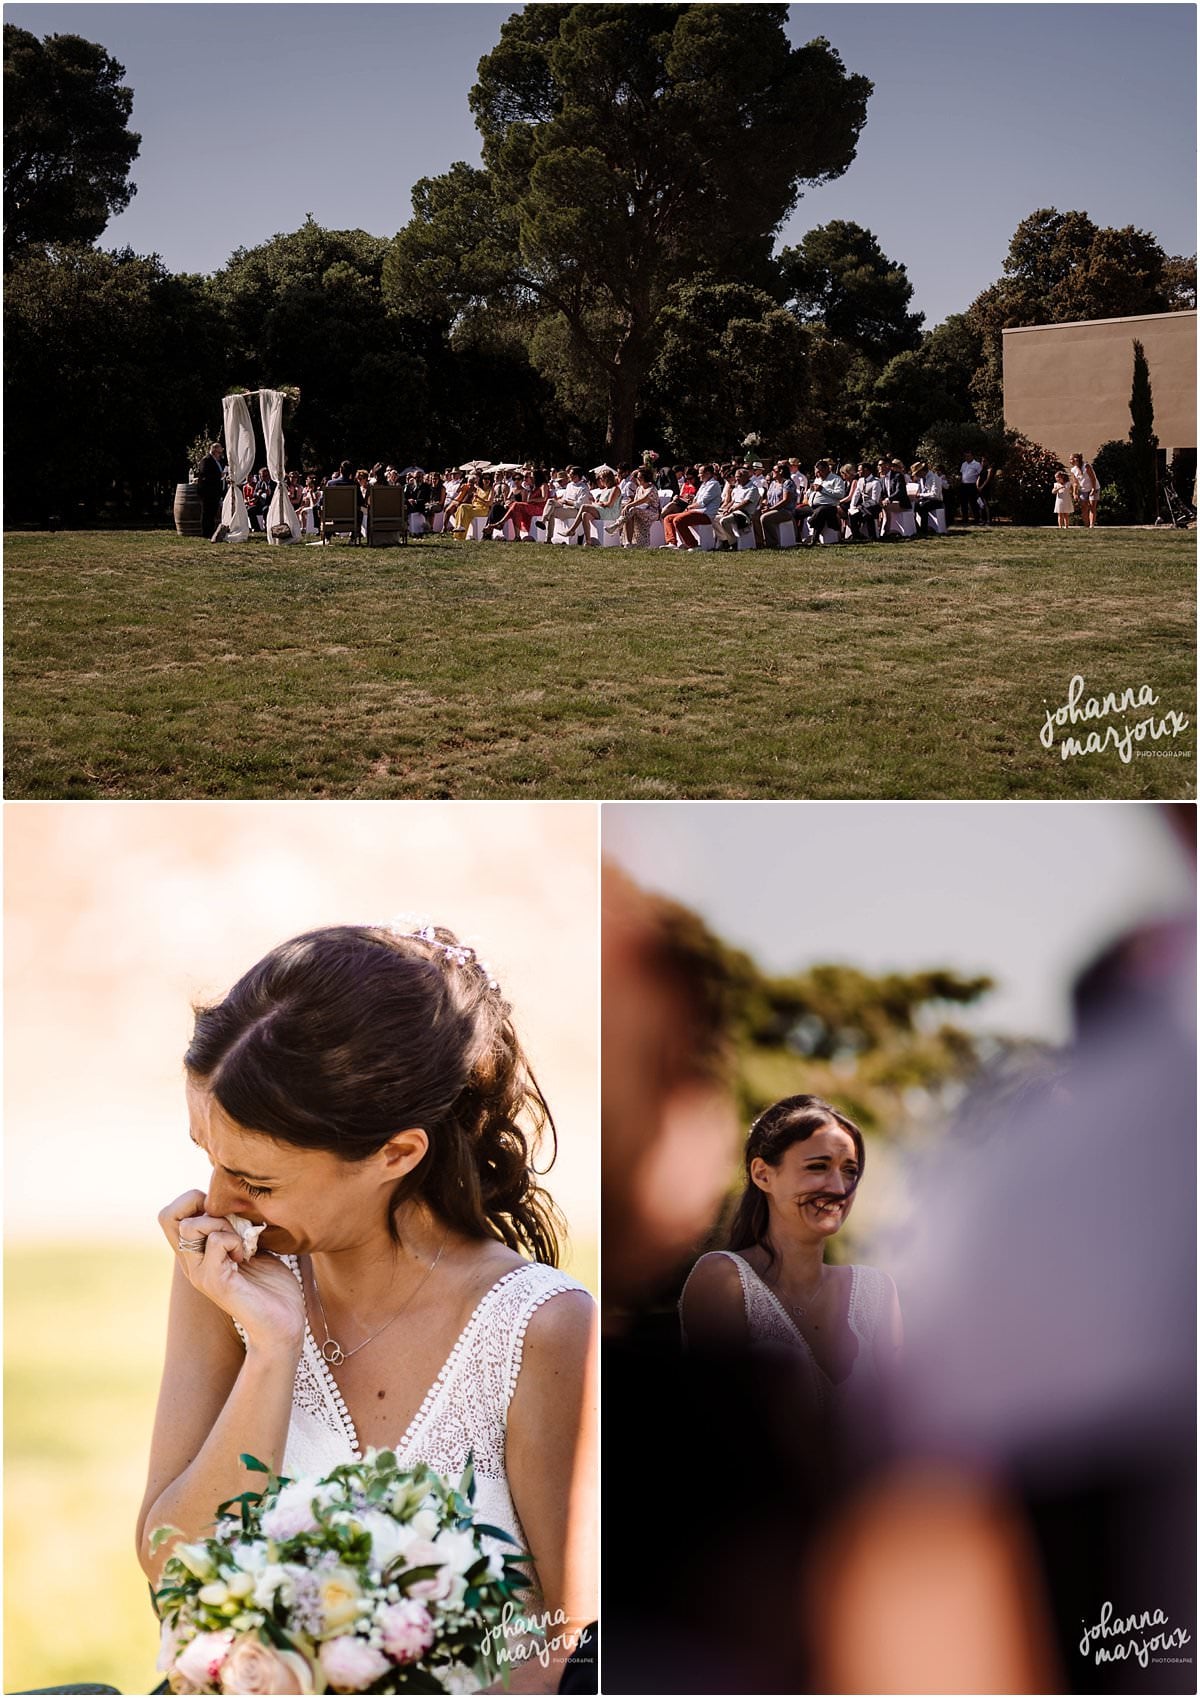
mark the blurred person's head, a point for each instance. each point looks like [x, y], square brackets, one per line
[669, 1128]
[356, 1071]
[804, 1161]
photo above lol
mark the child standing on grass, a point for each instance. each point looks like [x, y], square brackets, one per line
[1064, 500]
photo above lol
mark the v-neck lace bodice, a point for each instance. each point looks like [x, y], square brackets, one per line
[465, 1409]
[771, 1327]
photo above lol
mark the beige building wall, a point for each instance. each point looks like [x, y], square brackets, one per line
[1066, 386]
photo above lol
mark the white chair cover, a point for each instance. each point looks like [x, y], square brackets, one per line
[281, 511]
[239, 448]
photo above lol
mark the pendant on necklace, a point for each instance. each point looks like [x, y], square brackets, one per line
[331, 1350]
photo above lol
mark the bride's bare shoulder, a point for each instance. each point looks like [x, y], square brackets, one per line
[712, 1307]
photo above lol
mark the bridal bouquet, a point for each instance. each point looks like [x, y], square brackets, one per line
[374, 1579]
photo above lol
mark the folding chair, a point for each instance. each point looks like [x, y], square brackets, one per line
[387, 514]
[340, 513]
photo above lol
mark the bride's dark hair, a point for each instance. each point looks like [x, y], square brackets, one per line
[342, 1037]
[777, 1128]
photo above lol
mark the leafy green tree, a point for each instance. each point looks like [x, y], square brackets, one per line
[627, 150]
[1142, 440]
[111, 364]
[306, 306]
[730, 362]
[67, 146]
[840, 277]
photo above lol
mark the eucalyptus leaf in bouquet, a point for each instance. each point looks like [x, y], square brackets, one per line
[372, 1579]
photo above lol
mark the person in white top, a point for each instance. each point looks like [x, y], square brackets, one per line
[1086, 486]
[969, 493]
[359, 1093]
[772, 1287]
[566, 506]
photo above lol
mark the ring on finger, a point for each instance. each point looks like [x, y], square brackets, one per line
[191, 1243]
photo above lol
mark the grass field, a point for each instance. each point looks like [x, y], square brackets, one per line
[84, 1329]
[152, 665]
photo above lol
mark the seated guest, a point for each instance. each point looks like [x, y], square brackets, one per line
[866, 504]
[780, 506]
[677, 527]
[308, 508]
[639, 515]
[678, 500]
[575, 493]
[799, 478]
[260, 499]
[827, 489]
[603, 509]
[472, 502]
[929, 498]
[532, 502]
[849, 476]
[737, 509]
[895, 490]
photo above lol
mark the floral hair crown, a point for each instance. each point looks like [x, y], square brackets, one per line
[462, 954]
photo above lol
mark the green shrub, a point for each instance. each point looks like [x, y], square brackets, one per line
[1112, 508]
[1025, 481]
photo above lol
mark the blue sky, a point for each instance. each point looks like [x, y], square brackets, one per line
[253, 116]
[1025, 891]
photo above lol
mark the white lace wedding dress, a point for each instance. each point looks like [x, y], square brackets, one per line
[772, 1328]
[465, 1409]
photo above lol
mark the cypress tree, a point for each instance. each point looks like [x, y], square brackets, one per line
[1142, 439]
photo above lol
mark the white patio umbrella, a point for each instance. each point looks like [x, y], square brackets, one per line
[239, 447]
[281, 512]
[476, 466]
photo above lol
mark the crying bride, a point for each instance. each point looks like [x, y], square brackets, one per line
[374, 1263]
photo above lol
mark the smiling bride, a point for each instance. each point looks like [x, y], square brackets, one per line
[838, 1326]
[362, 1097]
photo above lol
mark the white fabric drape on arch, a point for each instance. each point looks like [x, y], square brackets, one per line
[281, 511]
[239, 448]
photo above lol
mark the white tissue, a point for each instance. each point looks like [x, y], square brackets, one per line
[247, 1231]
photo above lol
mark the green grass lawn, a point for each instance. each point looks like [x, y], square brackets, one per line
[152, 665]
[84, 1327]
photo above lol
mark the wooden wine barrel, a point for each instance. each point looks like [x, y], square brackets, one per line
[187, 509]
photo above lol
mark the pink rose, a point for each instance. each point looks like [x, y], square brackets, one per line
[407, 1631]
[200, 1661]
[252, 1666]
[350, 1663]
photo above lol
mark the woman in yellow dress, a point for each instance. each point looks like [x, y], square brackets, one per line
[472, 502]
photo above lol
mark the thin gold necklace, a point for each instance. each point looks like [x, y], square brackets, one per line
[801, 1309]
[331, 1350]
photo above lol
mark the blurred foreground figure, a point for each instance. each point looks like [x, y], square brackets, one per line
[1034, 1530]
[669, 1131]
[712, 1482]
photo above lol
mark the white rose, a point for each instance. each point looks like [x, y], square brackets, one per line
[425, 1523]
[251, 1557]
[457, 1550]
[388, 1536]
[292, 1513]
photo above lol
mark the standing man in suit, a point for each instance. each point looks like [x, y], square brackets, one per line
[211, 477]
